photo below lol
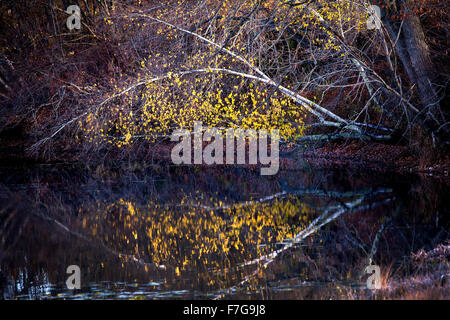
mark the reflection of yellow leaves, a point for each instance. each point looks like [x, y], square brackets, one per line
[196, 237]
[260, 273]
[130, 208]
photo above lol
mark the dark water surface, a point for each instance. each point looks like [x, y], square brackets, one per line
[206, 233]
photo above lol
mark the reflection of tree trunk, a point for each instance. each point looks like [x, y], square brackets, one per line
[414, 54]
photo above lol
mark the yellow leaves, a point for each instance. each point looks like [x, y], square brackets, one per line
[217, 99]
[127, 137]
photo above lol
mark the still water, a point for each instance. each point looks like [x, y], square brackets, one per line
[210, 233]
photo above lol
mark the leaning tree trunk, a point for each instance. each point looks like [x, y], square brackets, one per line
[419, 55]
[414, 53]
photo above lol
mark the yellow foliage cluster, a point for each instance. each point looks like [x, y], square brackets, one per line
[216, 98]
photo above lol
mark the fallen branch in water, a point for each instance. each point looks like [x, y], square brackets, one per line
[342, 136]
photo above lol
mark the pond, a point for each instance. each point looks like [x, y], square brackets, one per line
[166, 232]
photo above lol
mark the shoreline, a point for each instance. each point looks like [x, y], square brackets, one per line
[353, 154]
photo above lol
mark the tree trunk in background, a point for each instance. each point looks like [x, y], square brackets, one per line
[414, 54]
[419, 54]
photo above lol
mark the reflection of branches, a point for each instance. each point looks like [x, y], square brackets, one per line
[329, 215]
[283, 194]
[108, 249]
[8, 223]
[374, 247]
